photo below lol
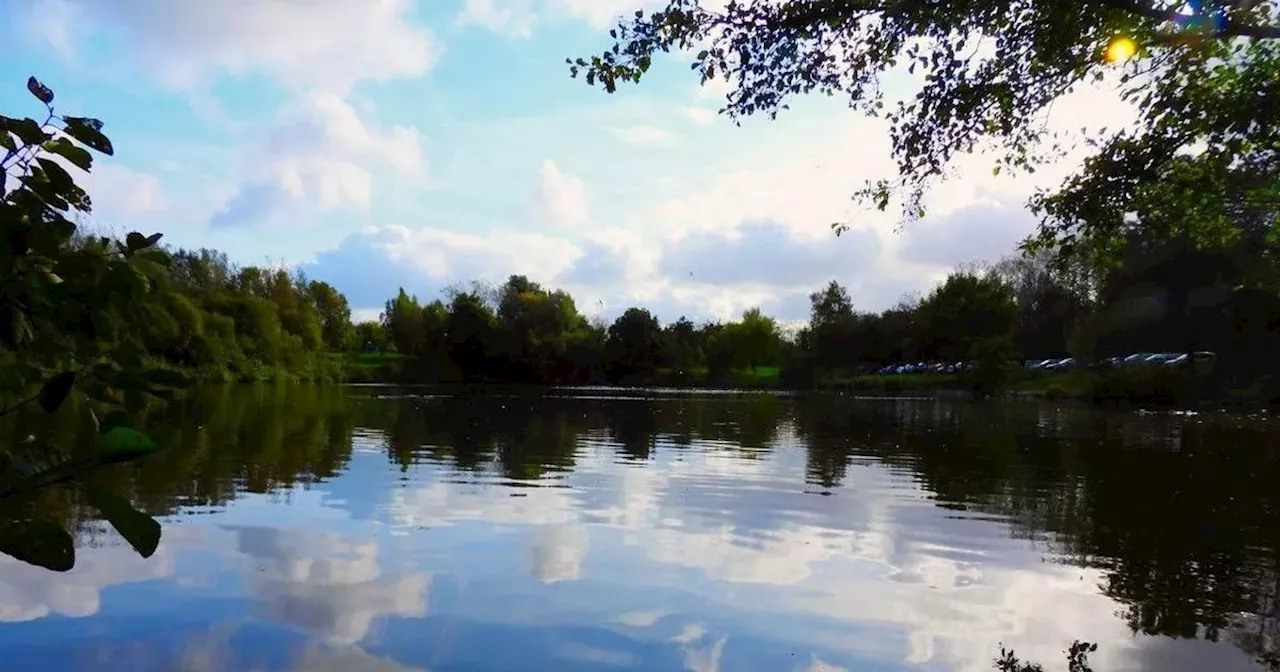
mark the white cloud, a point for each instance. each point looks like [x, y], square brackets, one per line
[646, 135]
[119, 192]
[513, 18]
[640, 619]
[320, 153]
[557, 551]
[328, 43]
[701, 116]
[326, 585]
[559, 200]
[517, 18]
[28, 592]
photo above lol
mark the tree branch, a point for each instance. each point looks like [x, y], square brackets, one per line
[1229, 27]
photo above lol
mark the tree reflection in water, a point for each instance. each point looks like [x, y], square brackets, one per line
[1179, 514]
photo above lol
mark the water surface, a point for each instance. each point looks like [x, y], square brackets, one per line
[379, 529]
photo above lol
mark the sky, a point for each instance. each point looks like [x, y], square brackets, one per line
[420, 143]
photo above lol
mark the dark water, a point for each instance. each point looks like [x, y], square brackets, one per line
[330, 529]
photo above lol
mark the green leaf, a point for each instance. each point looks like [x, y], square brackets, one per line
[68, 150]
[89, 132]
[6, 141]
[55, 390]
[44, 93]
[140, 530]
[38, 542]
[122, 443]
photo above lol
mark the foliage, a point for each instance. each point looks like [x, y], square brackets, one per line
[633, 345]
[1077, 659]
[74, 312]
[1205, 84]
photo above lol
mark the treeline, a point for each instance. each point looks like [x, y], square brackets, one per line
[225, 323]
[1166, 295]
[523, 332]
[222, 322]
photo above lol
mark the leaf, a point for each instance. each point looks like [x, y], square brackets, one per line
[135, 241]
[68, 150]
[55, 390]
[89, 132]
[123, 443]
[156, 257]
[140, 530]
[58, 176]
[38, 542]
[28, 131]
[44, 93]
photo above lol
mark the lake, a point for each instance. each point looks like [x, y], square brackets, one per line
[389, 529]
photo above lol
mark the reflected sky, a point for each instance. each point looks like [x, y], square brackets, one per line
[584, 534]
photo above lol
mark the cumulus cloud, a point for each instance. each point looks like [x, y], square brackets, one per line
[701, 116]
[981, 233]
[513, 18]
[28, 592]
[326, 585]
[369, 266]
[321, 153]
[766, 253]
[517, 18]
[327, 43]
[559, 200]
[557, 551]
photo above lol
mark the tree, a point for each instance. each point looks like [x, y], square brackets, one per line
[759, 339]
[1205, 82]
[470, 334]
[402, 320]
[634, 344]
[831, 327]
[968, 308]
[371, 335]
[681, 348]
[334, 313]
[1052, 301]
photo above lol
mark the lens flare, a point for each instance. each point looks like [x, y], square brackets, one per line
[1121, 49]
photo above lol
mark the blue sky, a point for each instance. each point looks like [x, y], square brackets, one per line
[420, 143]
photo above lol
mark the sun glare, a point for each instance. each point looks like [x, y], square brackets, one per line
[1121, 49]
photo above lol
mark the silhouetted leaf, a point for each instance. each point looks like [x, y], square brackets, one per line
[27, 130]
[140, 530]
[89, 132]
[38, 542]
[55, 390]
[68, 150]
[44, 93]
